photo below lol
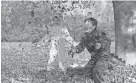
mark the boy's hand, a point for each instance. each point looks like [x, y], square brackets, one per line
[72, 52]
[97, 46]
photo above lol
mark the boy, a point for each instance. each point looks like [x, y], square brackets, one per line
[96, 42]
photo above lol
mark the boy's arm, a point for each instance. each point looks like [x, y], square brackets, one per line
[78, 49]
[105, 43]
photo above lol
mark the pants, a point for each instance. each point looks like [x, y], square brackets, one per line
[57, 56]
[87, 70]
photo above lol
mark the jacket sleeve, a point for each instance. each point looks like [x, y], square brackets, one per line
[105, 43]
[80, 47]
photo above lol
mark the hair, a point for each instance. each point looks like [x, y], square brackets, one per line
[94, 21]
[56, 17]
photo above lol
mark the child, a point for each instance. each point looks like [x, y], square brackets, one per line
[58, 35]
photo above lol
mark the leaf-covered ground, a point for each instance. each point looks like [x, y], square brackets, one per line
[26, 63]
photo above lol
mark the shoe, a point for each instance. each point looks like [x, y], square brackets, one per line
[61, 66]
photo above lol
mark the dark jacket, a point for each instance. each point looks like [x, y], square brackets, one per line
[89, 41]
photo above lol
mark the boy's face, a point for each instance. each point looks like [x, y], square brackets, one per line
[56, 21]
[89, 26]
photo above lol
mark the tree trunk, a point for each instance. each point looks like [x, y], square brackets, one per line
[125, 30]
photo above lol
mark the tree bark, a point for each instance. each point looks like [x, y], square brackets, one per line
[124, 12]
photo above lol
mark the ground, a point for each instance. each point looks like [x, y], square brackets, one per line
[23, 62]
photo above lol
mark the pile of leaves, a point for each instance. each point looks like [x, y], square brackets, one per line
[126, 74]
[28, 65]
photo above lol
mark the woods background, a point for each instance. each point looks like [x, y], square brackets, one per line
[26, 21]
